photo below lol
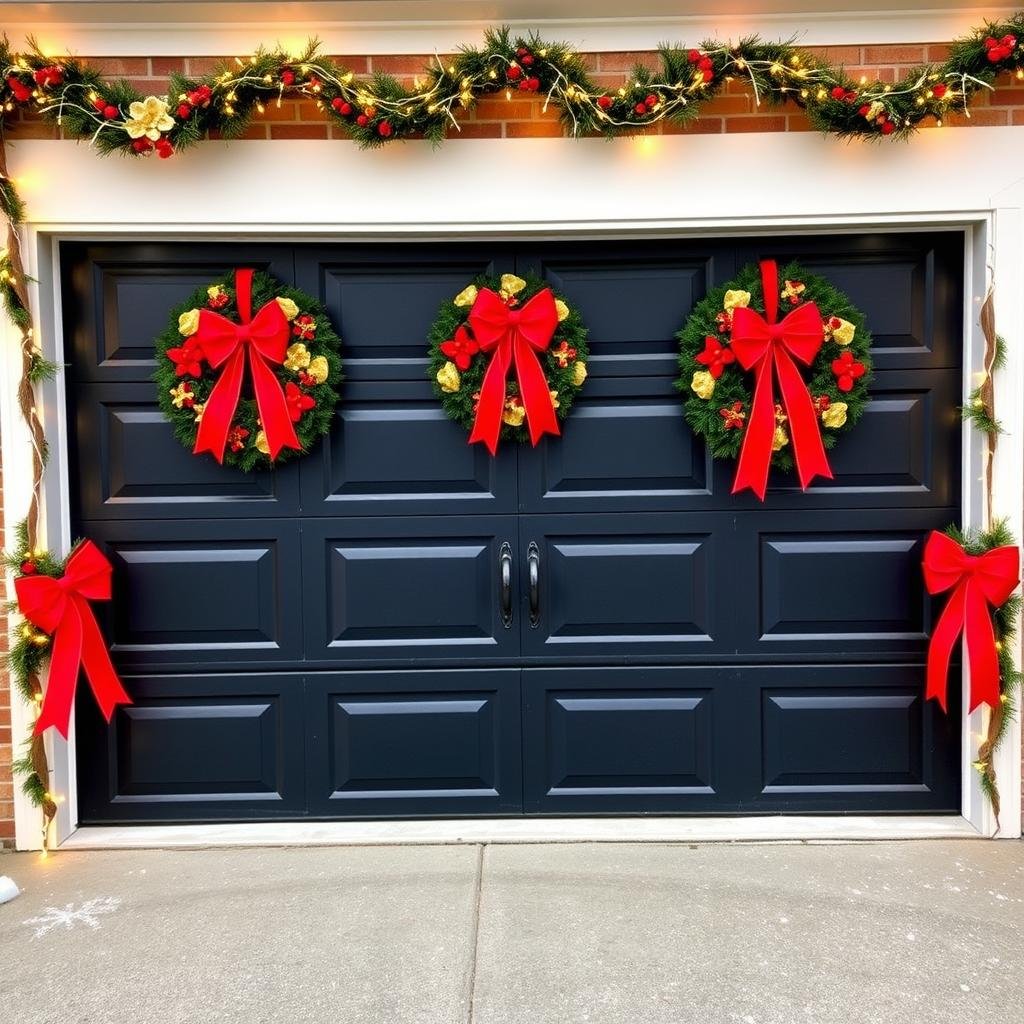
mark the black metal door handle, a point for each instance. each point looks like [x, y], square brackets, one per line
[505, 568]
[533, 564]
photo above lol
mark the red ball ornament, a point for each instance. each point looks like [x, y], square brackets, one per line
[514, 73]
[694, 56]
[340, 106]
[164, 149]
[288, 77]
[28, 568]
[370, 111]
[362, 120]
[838, 93]
[640, 108]
[110, 112]
[651, 100]
[888, 128]
[384, 129]
[49, 77]
[184, 111]
[939, 89]
[142, 145]
[522, 51]
[100, 104]
[604, 102]
[527, 59]
[21, 92]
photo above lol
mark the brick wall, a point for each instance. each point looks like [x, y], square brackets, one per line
[522, 116]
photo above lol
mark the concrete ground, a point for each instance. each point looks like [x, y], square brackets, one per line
[887, 933]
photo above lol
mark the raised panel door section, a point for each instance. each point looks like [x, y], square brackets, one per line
[633, 297]
[393, 451]
[623, 587]
[391, 589]
[203, 593]
[383, 299]
[129, 464]
[848, 587]
[393, 744]
[608, 740]
[194, 748]
[117, 298]
[909, 287]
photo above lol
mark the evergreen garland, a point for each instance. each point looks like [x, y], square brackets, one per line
[733, 391]
[181, 396]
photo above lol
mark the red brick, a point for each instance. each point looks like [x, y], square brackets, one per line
[837, 54]
[403, 63]
[1007, 98]
[1018, 117]
[978, 118]
[729, 105]
[699, 126]
[120, 65]
[167, 65]
[200, 66]
[756, 123]
[626, 60]
[532, 130]
[890, 54]
[798, 123]
[151, 86]
[358, 65]
[286, 112]
[476, 130]
[938, 52]
[490, 108]
[298, 131]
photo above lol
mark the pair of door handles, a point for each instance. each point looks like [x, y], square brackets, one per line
[533, 588]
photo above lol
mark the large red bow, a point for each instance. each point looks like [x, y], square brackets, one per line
[515, 336]
[978, 582]
[224, 343]
[60, 606]
[771, 347]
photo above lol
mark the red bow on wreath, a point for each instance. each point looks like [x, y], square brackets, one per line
[265, 338]
[60, 606]
[515, 336]
[771, 347]
[979, 583]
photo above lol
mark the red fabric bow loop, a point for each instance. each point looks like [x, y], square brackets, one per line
[263, 341]
[513, 336]
[979, 583]
[772, 350]
[61, 608]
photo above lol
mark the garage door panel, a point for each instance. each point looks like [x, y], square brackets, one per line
[382, 300]
[394, 451]
[129, 463]
[909, 287]
[120, 298]
[398, 588]
[195, 747]
[640, 586]
[203, 592]
[407, 743]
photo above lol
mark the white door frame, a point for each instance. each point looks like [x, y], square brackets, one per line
[708, 186]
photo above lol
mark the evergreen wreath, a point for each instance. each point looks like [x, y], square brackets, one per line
[308, 376]
[457, 366]
[719, 392]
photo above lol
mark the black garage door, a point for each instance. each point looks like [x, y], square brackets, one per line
[327, 640]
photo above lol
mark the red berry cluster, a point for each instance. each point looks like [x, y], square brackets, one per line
[199, 97]
[522, 79]
[885, 125]
[646, 105]
[105, 109]
[163, 147]
[49, 77]
[702, 63]
[999, 49]
[846, 95]
[846, 370]
[343, 108]
[19, 90]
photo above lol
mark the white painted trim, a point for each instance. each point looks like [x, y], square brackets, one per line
[776, 829]
[410, 192]
[173, 29]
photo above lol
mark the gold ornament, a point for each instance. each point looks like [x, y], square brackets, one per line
[148, 118]
[40, 639]
[290, 310]
[835, 415]
[793, 290]
[843, 334]
[703, 384]
[297, 357]
[215, 291]
[579, 373]
[780, 439]
[554, 399]
[188, 322]
[561, 309]
[514, 412]
[197, 411]
[735, 297]
[466, 297]
[511, 285]
[261, 443]
[319, 369]
[448, 377]
[180, 395]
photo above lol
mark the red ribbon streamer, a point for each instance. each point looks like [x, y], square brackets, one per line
[771, 347]
[265, 338]
[61, 608]
[978, 582]
[514, 336]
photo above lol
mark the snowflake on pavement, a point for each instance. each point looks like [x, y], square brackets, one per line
[86, 914]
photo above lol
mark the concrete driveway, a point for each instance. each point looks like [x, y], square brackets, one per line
[887, 933]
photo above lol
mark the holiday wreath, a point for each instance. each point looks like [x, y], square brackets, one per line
[507, 358]
[245, 334]
[739, 328]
